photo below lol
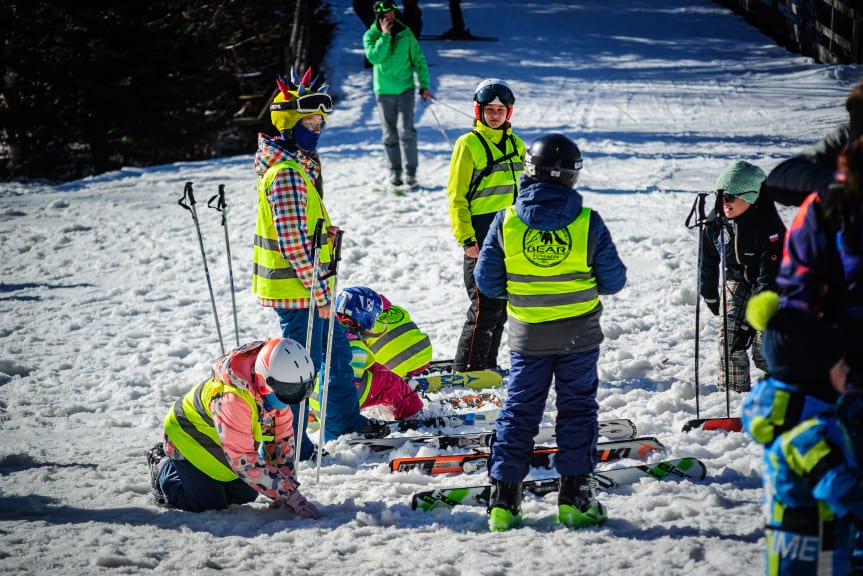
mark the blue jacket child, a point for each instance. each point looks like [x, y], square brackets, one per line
[551, 258]
[812, 481]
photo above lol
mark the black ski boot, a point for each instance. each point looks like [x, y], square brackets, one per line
[154, 456]
[577, 505]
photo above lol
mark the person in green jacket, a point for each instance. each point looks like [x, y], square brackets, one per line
[395, 55]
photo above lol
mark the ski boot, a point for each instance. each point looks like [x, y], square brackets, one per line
[154, 457]
[505, 508]
[374, 429]
[577, 506]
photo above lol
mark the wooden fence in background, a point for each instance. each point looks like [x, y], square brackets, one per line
[827, 30]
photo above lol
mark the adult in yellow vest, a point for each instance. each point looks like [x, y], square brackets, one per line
[551, 258]
[289, 206]
[231, 437]
[483, 179]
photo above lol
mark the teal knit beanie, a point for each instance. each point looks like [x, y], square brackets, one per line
[741, 179]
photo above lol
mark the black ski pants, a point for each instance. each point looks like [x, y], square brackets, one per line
[480, 337]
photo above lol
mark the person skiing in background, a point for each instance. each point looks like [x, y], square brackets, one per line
[750, 233]
[484, 170]
[791, 181]
[283, 278]
[357, 309]
[397, 342]
[231, 438]
[813, 482]
[395, 55]
[551, 258]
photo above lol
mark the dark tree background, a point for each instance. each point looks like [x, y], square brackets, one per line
[91, 87]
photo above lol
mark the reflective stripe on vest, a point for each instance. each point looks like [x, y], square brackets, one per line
[402, 347]
[498, 189]
[273, 278]
[189, 425]
[547, 274]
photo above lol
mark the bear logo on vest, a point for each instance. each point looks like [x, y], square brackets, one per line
[391, 316]
[546, 248]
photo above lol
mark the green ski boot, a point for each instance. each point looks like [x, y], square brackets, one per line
[577, 505]
[505, 508]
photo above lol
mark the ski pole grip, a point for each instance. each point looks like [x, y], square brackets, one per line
[316, 237]
[220, 204]
[333, 267]
[187, 193]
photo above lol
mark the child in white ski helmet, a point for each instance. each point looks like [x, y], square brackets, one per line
[231, 437]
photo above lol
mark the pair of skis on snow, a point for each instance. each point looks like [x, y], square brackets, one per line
[621, 442]
[622, 447]
[439, 375]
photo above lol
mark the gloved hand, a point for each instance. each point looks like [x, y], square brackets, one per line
[302, 507]
[743, 339]
[713, 306]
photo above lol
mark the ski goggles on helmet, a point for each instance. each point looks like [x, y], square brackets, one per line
[488, 94]
[306, 104]
[292, 392]
[384, 6]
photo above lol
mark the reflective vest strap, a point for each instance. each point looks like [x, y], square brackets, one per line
[364, 386]
[548, 300]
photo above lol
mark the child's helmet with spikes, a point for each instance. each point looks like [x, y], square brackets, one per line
[297, 99]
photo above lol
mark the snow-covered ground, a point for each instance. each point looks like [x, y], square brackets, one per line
[105, 316]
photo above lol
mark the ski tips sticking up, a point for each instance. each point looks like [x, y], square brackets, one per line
[724, 424]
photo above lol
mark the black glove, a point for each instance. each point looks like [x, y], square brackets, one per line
[743, 339]
[713, 306]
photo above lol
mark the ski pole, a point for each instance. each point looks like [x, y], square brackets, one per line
[723, 302]
[451, 107]
[439, 125]
[332, 271]
[700, 222]
[190, 206]
[317, 242]
[222, 207]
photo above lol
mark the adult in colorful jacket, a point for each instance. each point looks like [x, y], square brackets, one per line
[822, 263]
[551, 258]
[813, 483]
[483, 179]
[230, 438]
[749, 231]
[395, 55]
[289, 206]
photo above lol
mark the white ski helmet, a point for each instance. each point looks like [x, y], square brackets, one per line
[284, 368]
[489, 91]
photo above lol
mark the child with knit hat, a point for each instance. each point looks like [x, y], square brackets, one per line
[813, 483]
[745, 236]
